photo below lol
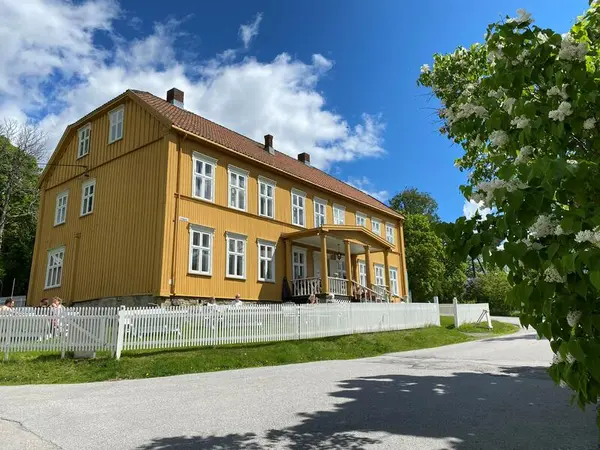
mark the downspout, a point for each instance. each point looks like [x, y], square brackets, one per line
[176, 216]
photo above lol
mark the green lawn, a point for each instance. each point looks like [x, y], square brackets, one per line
[499, 328]
[36, 368]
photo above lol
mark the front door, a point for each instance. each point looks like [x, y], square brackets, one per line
[299, 263]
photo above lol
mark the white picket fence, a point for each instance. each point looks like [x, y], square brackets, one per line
[117, 330]
[467, 313]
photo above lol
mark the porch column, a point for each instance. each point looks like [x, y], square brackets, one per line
[348, 266]
[324, 268]
[288, 260]
[386, 263]
[369, 267]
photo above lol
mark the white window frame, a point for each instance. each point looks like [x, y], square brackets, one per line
[376, 229]
[202, 230]
[54, 280]
[85, 209]
[389, 233]
[320, 203]
[60, 208]
[362, 273]
[83, 140]
[380, 267]
[266, 182]
[304, 252]
[235, 237]
[361, 219]
[336, 214]
[206, 161]
[394, 286]
[239, 173]
[265, 259]
[113, 122]
[301, 209]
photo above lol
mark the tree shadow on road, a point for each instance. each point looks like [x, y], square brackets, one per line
[519, 407]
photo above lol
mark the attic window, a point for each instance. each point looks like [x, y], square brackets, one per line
[83, 143]
[116, 118]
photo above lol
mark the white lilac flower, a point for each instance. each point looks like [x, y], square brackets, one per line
[486, 189]
[571, 50]
[498, 138]
[521, 56]
[564, 110]
[522, 17]
[572, 162]
[543, 38]
[570, 358]
[559, 231]
[508, 104]
[573, 318]
[591, 236]
[493, 94]
[520, 122]
[557, 359]
[543, 226]
[524, 154]
[554, 90]
[590, 123]
[425, 68]
[468, 109]
[551, 275]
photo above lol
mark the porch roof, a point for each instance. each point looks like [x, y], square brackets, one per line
[358, 236]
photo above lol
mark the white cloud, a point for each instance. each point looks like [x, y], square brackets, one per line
[365, 185]
[471, 207]
[51, 71]
[248, 31]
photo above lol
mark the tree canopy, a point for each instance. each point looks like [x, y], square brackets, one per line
[413, 201]
[523, 105]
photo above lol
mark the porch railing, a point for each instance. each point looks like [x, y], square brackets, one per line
[383, 295]
[338, 286]
[363, 293]
[306, 286]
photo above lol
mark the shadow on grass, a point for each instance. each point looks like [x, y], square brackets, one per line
[517, 408]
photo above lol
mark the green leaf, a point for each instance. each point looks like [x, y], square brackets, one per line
[595, 278]
[576, 350]
[552, 250]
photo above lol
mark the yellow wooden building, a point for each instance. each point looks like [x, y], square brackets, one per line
[143, 201]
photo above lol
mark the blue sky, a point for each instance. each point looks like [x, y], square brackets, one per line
[335, 78]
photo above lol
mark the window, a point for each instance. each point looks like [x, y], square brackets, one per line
[320, 211]
[238, 179]
[361, 219]
[379, 278]
[266, 197]
[115, 118]
[204, 177]
[299, 263]
[201, 244]
[54, 268]
[266, 261]
[375, 225]
[236, 256]
[83, 144]
[339, 215]
[298, 202]
[394, 281]
[389, 232]
[88, 191]
[60, 214]
[362, 273]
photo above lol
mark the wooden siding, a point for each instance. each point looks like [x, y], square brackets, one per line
[223, 219]
[116, 250]
[140, 128]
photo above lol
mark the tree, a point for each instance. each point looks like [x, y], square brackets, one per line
[523, 106]
[412, 201]
[424, 256]
[490, 287]
[20, 148]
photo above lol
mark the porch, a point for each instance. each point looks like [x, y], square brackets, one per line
[334, 272]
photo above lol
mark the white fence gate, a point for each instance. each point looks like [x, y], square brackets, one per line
[115, 330]
[467, 313]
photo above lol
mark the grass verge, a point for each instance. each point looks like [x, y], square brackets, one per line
[44, 368]
[499, 328]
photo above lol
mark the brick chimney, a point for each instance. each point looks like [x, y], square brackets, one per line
[269, 144]
[305, 158]
[175, 97]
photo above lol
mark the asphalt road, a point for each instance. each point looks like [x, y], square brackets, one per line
[491, 394]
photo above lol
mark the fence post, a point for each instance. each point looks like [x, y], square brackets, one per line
[120, 332]
[63, 326]
[8, 338]
[489, 318]
[456, 318]
[298, 322]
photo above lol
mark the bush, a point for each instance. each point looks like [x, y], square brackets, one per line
[490, 287]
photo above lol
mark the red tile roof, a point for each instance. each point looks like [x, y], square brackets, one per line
[218, 134]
